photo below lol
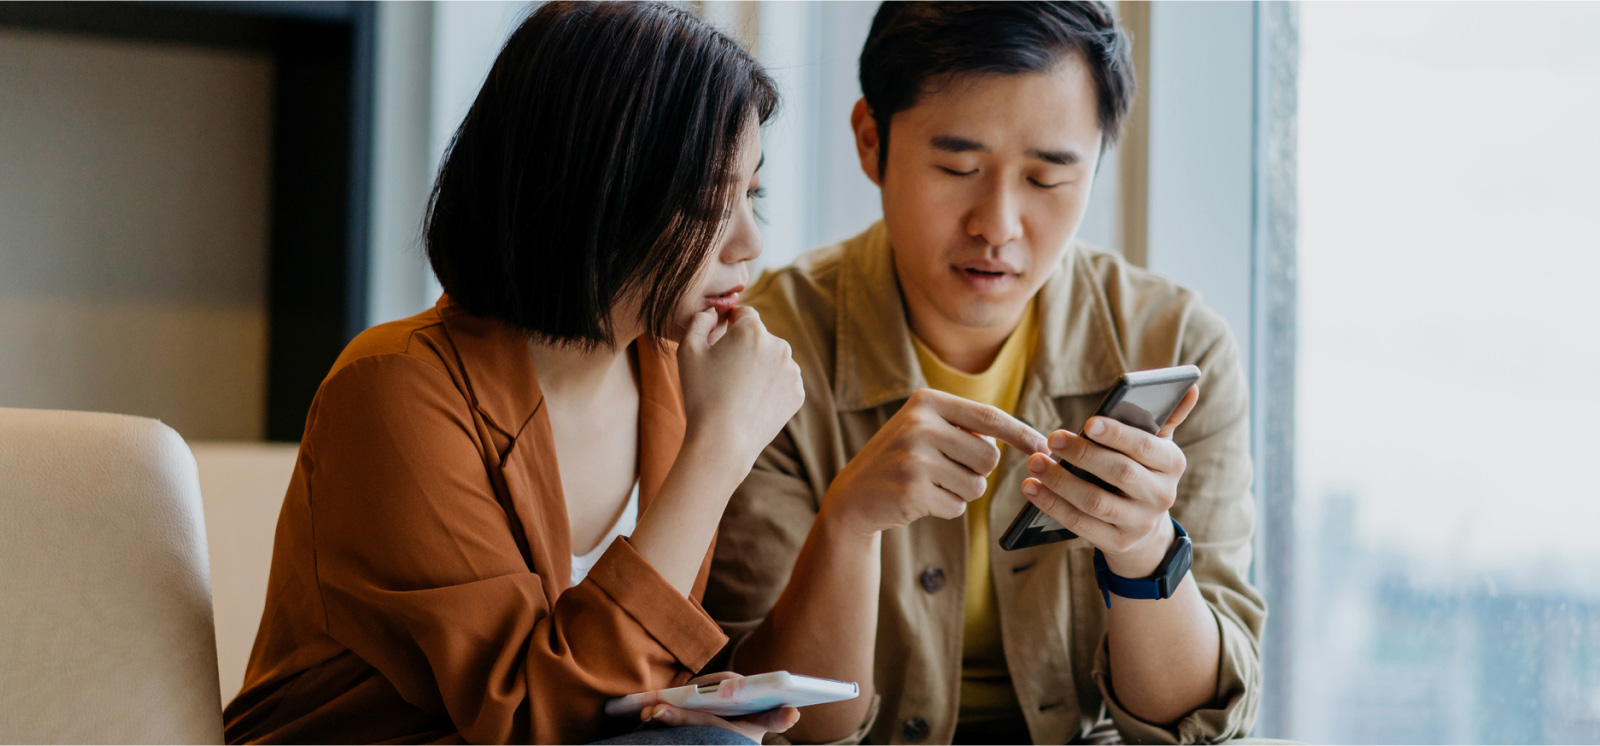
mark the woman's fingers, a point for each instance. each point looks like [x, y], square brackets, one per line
[697, 337]
[712, 678]
[752, 727]
[776, 720]
[718, 331]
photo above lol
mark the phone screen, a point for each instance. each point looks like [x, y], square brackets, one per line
[1142, 405]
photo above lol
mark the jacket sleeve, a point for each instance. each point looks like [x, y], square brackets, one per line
[420, 573]
[1215, 507]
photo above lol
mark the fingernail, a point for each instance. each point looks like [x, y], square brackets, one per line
[1030, 488]
[1097, 426]
[1036, 464]
[664, 715]
[1058, 441]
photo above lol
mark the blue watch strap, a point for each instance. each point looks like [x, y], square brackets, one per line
[1159, 585]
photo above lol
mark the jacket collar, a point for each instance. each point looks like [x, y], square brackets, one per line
[497, 366]
[503, 387]
[874, 363]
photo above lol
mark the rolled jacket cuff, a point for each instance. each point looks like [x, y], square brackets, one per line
[1229, 715]
[677, 622]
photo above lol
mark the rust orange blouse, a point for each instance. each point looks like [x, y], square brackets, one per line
[419, 587]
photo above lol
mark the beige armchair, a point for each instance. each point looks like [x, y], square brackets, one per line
[105, 594]
[243, 486]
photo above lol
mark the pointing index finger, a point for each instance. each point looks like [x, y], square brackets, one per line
[992, 421]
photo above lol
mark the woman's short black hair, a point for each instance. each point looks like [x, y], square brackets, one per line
[915, 46]
[597, 161]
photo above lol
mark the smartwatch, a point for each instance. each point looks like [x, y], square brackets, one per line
[1161, 584]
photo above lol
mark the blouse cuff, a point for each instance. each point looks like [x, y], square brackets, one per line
[675, 621]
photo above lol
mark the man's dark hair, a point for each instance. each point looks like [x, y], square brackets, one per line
[916, 47]
[597, 161]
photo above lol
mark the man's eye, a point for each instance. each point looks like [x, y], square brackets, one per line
[1036, 183]
[954, 172]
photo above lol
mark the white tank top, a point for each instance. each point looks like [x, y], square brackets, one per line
[624, 526]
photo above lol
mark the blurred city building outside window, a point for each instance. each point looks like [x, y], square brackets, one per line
[1447, 557]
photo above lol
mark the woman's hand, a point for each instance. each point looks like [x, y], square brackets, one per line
[739, 389]
[753, 726]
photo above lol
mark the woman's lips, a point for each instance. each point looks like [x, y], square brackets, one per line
[724, 302]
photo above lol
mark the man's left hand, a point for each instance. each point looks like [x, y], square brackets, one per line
[1132, 529]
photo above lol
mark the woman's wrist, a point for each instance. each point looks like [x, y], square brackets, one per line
[720, 447]
[716, 453]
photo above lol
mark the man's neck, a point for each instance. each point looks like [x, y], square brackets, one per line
[969, 349]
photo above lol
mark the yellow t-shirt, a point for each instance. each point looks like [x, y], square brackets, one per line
[986, 691]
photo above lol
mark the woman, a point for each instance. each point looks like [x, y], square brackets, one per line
[444, 566]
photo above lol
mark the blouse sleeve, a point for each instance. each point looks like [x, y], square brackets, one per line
[420, 574]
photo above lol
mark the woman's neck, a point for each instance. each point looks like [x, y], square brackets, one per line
[572, 374]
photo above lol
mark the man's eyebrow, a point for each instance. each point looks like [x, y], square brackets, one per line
[1058, 157]
[953, 144]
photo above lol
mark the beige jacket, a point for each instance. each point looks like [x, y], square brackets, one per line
[840, 309]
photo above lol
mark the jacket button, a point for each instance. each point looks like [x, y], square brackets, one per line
[915, 730]
[933, 579]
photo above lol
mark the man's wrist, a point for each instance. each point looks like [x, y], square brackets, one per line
[1142, 559]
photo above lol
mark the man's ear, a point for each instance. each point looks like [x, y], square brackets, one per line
[867, 142]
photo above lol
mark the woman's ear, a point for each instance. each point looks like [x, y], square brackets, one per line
[867, 142]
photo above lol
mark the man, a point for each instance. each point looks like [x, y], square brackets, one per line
[864, 545]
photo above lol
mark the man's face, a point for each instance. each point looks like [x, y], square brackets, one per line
[986, 182]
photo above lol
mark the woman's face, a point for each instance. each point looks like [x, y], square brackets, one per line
[723, 275]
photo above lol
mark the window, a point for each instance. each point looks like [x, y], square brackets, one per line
[1448, 542]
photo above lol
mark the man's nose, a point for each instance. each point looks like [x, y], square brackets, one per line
[997, 219]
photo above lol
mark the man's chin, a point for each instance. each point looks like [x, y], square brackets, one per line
[983, 314]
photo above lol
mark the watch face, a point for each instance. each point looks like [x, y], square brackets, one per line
[1177, 565]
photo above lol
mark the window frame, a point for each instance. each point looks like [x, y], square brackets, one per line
[1212, 205]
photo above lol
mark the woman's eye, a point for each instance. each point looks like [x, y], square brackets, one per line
[954, 172]
[756, 193]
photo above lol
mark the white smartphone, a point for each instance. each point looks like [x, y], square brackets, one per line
[742, 696]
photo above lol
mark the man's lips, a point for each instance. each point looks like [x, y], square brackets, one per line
[986, 268]
[985, 277]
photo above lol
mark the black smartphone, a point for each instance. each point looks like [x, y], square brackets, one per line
[1142, 399]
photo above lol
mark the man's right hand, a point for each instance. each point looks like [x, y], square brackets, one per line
[930, 458]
